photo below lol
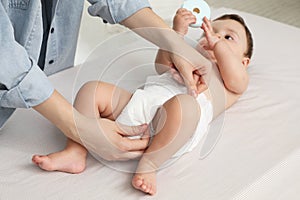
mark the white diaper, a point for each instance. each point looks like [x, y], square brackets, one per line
[157, 90]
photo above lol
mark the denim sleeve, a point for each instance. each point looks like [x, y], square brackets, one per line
[22, 83]
[115, 11]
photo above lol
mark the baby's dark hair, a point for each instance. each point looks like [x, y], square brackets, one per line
[239, 19]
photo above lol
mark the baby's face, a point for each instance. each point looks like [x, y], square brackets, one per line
[231, 32]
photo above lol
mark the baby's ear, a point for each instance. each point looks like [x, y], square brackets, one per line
[246, 62]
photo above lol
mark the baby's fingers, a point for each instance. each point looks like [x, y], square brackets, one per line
[206, 30]
[208, 24]
[190, 19]
[182, 11]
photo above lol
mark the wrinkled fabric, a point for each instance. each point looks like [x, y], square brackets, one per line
[22, 83]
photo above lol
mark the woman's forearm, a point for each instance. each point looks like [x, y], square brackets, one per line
[61, 113]
[151, 27]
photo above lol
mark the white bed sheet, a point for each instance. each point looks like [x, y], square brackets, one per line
[257, 155]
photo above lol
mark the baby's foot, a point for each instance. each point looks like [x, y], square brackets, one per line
[64, 161]
[146, 182]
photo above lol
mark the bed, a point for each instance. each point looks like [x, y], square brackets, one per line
[250, 152]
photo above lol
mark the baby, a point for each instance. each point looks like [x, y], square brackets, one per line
[176, 120]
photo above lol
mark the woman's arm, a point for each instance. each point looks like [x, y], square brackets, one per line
[23, 83]
[162, 61]
[181, 22]
[183, 57]
[103, 137]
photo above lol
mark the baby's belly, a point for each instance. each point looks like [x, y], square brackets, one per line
[207, 94]
[221, 100]
[216, 92]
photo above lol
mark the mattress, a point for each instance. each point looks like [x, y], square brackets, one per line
[250, 152]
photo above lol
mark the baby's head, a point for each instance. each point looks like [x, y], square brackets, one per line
[233, 29]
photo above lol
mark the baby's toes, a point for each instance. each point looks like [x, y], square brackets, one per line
[148, 190]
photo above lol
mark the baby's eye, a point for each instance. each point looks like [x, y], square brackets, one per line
[228, 37]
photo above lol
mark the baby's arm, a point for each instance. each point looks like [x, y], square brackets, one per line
[231, 68]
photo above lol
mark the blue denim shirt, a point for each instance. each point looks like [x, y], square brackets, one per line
[22, 83]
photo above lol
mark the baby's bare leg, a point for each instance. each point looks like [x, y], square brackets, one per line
[174, 123]
[94, 99]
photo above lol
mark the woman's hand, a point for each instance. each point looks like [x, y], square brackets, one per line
[103, 137]
[191, 73]
[185, 59]
[199, 80]
[109, 140]
[183, 71]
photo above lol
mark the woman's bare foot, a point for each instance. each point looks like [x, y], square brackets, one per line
[146, 182]
[71, 161]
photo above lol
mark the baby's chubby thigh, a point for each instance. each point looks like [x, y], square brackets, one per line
[182, 112]
[174, 125]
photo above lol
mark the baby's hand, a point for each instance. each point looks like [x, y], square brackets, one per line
[211, 37]
[182, 20]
